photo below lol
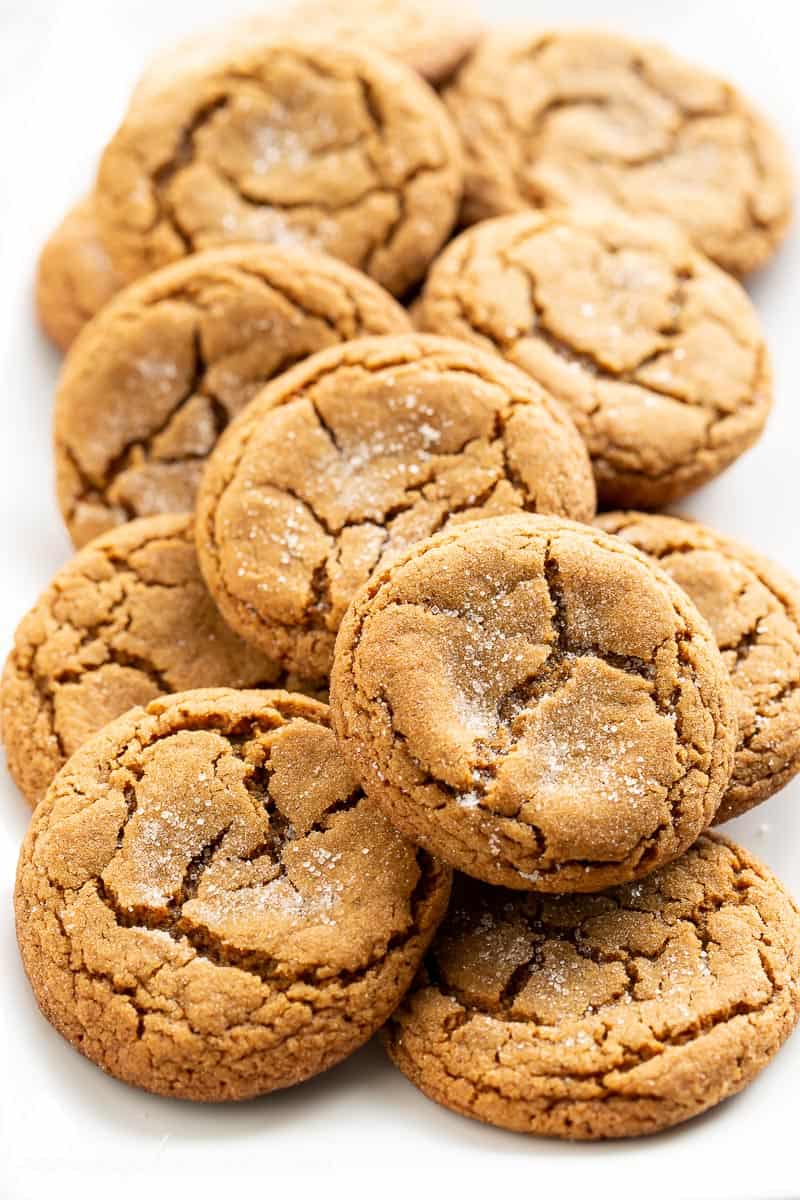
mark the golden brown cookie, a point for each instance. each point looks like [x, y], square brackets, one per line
[431, 36]
[753, 608]
[297, 143]
[209, 908]
[155, 378]
[74, 276]
[536, 702]
[549, 119]
[357, 453]
[605, 1016]
[128, 619]
[657, 354]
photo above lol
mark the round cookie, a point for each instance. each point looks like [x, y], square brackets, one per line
[357, 453]
[535, 702]
[553, 119]
[753, 608]
[128, 619]
[155, 378]
[74, 276]
[432, 38]
[610, 1015]
[657, 354]
[296, 143]
[209, 908]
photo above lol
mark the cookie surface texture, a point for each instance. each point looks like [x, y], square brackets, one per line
[74, 276]
[605, 1016]
[128, 619]
[357, 453]
[203, 917]
[658, 355]
[328, 147]
[753, 608]
[535, 702]
[554, 119]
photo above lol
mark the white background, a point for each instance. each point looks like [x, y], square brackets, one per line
[66, 69]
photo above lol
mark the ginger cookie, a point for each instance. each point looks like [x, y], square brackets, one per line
[328, 147]
[354, 455]
[554, 119]
[209, 908]
[156, 377]
[753, 608]
[535, 702]
[74, 276]
[433, 38]
[657, 354]
[128, 619]
[605, 1016]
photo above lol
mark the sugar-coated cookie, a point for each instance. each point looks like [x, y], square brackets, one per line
[74, 276]
[326, 146]
[536, 702]
[555, 118]
[209, 908]
[605, 1016]
[658, 355]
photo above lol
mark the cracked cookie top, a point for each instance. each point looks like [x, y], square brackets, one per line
[753, 608]
[354, 455]
[610, 1015]
[128, 619]
[536, 702]
[74, 275]
[157, 376]
[209, 907]
[431, 36]
[656, 353]
[297, 143]
[552, 119]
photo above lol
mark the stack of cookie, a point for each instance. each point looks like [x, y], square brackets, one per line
[302, 444]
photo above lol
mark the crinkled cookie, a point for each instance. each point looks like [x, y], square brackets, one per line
[536, 702]
[209, 908]
[552, 119]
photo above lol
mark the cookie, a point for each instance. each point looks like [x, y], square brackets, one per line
[553, 119]
[610, 1015]
[156, 377]
[208, 907]
[74, 276]
[328, 147]
[535, 702]
[357, 453]
[753, 608]
[128, 619]
[431, 38]
[657, 354]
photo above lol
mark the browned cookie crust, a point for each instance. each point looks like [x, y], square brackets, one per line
[128, 619]
[209, 908]
[354, 455]
[536, 702]
[297, 143]
[74, 276]
[605, 1016]
[658, 355]
[753, 608]
[549, 119]
[431, 36]
[158, 375]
